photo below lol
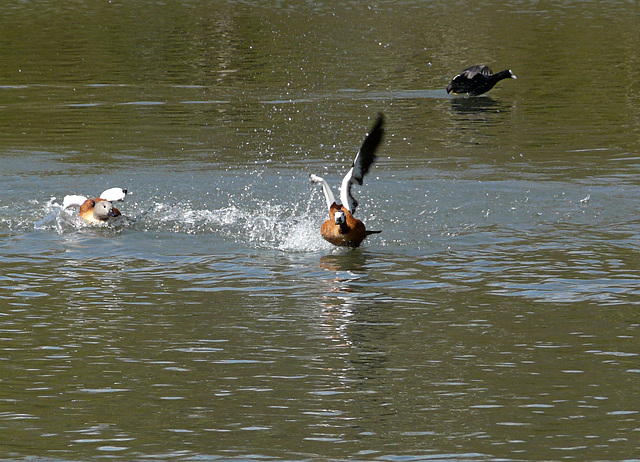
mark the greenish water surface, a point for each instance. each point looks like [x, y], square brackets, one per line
[494, 318]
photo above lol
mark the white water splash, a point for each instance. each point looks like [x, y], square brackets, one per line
[259, 224]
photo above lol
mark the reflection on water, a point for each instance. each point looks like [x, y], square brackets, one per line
[493, 318]
[477, 105]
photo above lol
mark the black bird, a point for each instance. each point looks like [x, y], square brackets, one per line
[477, 80]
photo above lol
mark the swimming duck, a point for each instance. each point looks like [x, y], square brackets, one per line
[342, 229]
[97, 209]
[476, 80]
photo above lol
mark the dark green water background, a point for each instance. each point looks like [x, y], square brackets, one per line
[496, 317]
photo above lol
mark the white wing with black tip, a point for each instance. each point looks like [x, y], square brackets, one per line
[114, 194]
[361, 164]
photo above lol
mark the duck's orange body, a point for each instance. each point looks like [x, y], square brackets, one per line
[349, 234]
[86, 210]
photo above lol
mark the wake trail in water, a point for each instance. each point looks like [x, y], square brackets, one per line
[259, 224]
[254, 223]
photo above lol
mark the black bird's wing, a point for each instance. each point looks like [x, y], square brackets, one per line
[471, 72]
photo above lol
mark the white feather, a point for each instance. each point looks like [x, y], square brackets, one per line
[114, 194]
[328, 195]
[72, 201]
[361, 164]
[345, 191]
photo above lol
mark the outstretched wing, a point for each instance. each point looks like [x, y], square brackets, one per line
[328, 195]
[361, 164]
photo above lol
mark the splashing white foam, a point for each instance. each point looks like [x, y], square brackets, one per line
[181, 217]
[56, 218]
[255, 223]
[260, 224]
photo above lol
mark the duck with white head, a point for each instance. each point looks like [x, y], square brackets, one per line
[97, 210]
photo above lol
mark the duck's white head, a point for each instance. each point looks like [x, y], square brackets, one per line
[103, 210]
[340, 218]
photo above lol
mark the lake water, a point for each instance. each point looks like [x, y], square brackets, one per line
[496, 317]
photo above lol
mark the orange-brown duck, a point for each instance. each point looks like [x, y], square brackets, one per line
[342, 229]
[98, 209]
